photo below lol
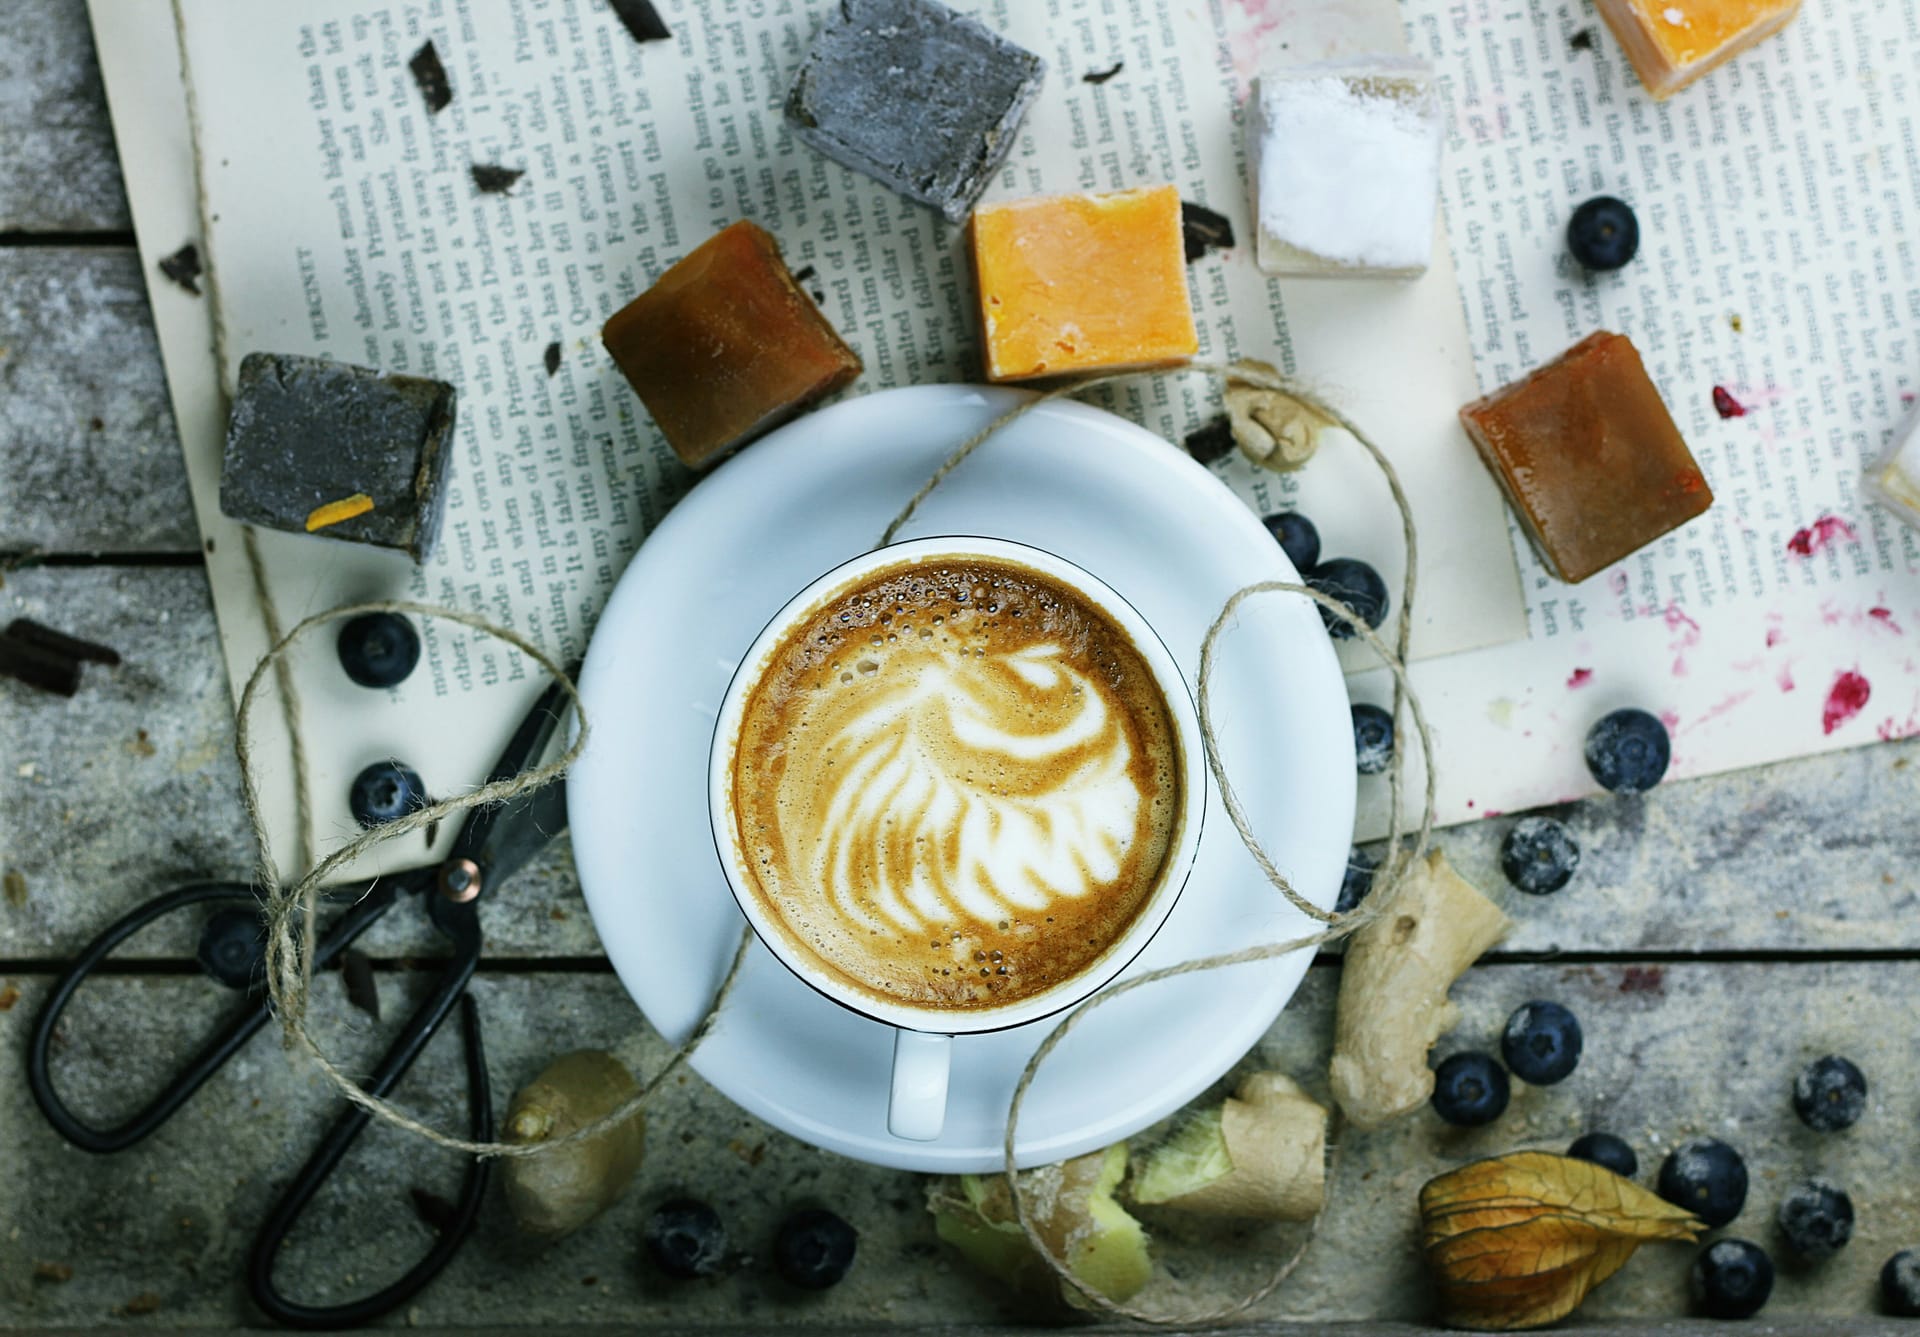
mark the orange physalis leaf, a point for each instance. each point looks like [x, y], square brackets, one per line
[1517, 1241]
[335, 511]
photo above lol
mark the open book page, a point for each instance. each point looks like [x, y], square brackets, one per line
[1777, 209]
[342, 220]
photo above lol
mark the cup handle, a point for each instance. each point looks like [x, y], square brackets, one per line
[917, 1102]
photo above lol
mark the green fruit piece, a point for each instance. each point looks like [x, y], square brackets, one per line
[558, 1191]
[1260, 1155]
[1073, 1210]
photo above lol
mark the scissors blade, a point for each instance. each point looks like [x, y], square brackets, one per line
[529, 741]
[521, 829]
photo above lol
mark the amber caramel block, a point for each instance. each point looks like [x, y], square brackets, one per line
[725, 346]
[1072, 283]
[1589, 456]
[1674, 42]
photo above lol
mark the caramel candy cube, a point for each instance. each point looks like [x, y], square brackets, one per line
[725, 346]
[1673, 42]
[1074, 283]
[1589, 456]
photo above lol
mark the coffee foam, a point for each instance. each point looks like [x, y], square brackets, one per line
[957, 783]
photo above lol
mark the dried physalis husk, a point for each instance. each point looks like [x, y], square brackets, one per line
[1519, 1240]
[1271, 427]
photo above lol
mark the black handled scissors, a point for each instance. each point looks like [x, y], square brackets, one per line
[493, 844]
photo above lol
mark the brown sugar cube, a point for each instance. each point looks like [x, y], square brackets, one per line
[725, 346]
[1589, 456]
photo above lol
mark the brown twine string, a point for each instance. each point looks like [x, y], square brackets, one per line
[290, 969]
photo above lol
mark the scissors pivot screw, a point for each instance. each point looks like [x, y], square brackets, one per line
[459, 880]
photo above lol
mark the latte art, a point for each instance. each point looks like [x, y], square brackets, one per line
[957, 783]
[969, 789]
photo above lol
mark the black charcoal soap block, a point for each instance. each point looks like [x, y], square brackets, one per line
[918, 97]
[307, 431]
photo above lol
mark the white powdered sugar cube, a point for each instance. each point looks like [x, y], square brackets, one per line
[1346, 167]
[1897, 477]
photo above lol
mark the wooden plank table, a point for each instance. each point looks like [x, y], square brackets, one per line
[1719, 934]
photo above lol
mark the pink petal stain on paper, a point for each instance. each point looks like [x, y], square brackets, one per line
[1580, 677]
[1785, 677]
[1726, 405]
[1822, 532]
[1846, 698]
[1687, 637]
[1884, 616]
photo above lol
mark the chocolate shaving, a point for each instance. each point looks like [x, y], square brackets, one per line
[1203, 230]
[802, 274]
[9, 995]
[21, 629]
[54, 1272]
[363, 991]
[431, 76]
[1582, 40]
[492, 179]
[16, 884]
[1101, 76]
[552, 358]
[434, 1211]
[1211, 442]
[144, 1303]
[39, 667]
[183, 267]
[642, 21]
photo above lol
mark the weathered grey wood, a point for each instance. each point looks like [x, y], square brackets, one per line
[58, 169]
[1816, 854]
[92, 461]
[131, 787]
[1665, 1058]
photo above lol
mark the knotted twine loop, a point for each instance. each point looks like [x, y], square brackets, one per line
[290, 969]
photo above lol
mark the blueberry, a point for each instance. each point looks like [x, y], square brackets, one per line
[1470, 1090]
[814, 1248]
[1357, 882]
[1354, 584]
[1541, 1043]
[233, 947]
[1707, 1177]
[1603, 234]
[1900, 1284]
[1298, 539]
[1830, 1094]
[1608, 1150]
[1816, 1218]
[1731, 1279]
[1628, 751]
[1538, 856]
[685, 1239]
[378, 649]
[1372, 739]
[384, 791]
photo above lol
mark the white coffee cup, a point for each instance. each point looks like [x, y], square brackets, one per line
[923, 1038]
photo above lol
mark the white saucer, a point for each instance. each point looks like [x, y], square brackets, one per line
[1099, 491]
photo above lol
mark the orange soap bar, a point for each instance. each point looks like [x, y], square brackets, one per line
[1589, 456]
[725, 346]
[1673, 42]
[1082, 283]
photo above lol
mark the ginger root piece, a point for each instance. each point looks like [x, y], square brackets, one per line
[1074, 1211]
[1260, 1154]
[1393, 990]
[1271, 427]
[556, 1193]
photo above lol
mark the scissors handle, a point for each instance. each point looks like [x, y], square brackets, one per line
[234, 1032]
[352, 1122]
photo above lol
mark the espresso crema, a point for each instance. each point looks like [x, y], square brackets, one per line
[956, 783]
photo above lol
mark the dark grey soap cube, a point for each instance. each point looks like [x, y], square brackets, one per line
[306, 431]
[916, 96]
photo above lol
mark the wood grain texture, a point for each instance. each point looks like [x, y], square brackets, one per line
[1661, 1064]
[58, 169]
[93, 464]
